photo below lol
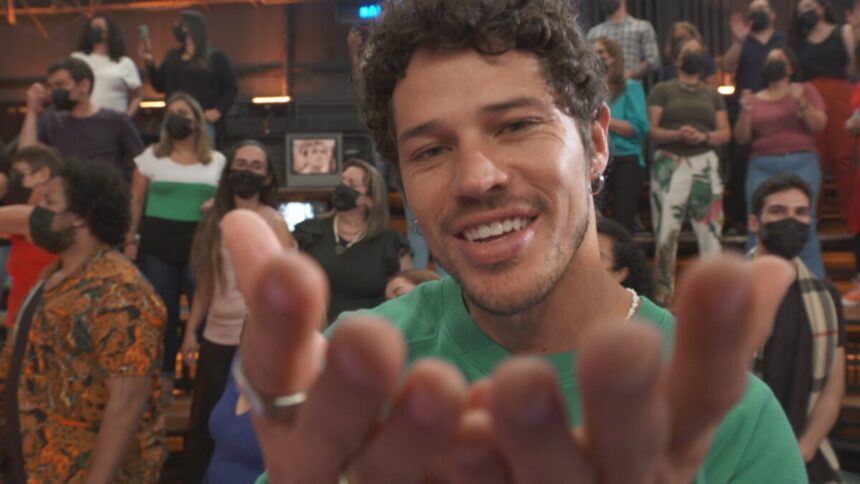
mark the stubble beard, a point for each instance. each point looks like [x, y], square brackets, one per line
[558, 260]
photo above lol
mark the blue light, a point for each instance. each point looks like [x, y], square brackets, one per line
[369, 11]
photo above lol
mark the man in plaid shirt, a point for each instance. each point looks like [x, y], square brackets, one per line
[636, 37]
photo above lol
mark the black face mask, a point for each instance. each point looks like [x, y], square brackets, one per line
[806, 21]
[245, 183]
[178, 127]
[95, 34]
[16, 192]
[759, 20]
[693, 63]
[774, 70]
[345, 198]
[53, 241]
[179, 33]
[61, 100]
[610, 6]
[784, 238]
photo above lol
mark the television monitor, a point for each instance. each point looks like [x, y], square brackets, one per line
[314, 159]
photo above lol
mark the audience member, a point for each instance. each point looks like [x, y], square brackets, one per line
[637, 38]
[852, 297]
[237, 457]
[627, 129]
[196, 68]
[679, 33]
[80, 375]
[826, 53]
[247, 182]
[77, 127]
[172, 180]
[803, 360]
[421, 256]
[32, 168]
[780, 123]
[117, 82]
[354, 245]
[405, 281]
[623, 259]
[688, 120]
[505, 123]
[753, 36]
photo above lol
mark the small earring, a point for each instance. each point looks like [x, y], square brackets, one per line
[597, 184]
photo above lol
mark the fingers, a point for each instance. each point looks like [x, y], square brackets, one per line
[725, 308]
[286, 299]
[364, 360]
[530, 420]
[474, 458]
[250, 242]
[286, 308]
[624, 410]
[421, 426]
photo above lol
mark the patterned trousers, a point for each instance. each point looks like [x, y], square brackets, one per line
[683, 187]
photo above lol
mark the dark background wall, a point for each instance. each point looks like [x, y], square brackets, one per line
[297, 49]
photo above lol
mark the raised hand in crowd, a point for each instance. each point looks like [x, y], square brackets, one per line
[739, 26]
[747, 100]
[144, 51]
[212, 115]
[37, 96]
[642, 418]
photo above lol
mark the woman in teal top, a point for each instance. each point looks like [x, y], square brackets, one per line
[627, 129]
[172, 180]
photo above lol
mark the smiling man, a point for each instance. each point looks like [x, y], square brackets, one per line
[492, 114]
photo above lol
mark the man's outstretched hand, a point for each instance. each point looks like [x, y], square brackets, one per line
[365, 416]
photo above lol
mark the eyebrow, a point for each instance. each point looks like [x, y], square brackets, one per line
[495, 108]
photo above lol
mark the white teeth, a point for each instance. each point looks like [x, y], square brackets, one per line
[495, 229]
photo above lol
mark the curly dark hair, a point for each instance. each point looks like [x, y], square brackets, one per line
[546, 28]
[96, 191]
[776, 184]
[627, 254]
[115, 44]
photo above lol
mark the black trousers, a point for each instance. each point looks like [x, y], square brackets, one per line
[620, 197]
[734, 198]
[213, 367]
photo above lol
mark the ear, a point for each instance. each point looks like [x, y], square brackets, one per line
[600, 141]
[86, 86]
[78, 222]
[753, 224]
[620, 275]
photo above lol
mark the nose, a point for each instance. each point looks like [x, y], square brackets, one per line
[478, 171]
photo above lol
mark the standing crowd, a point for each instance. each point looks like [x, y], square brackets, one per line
[109, 239]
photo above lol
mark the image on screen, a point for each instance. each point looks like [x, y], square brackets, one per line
[314, 156]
